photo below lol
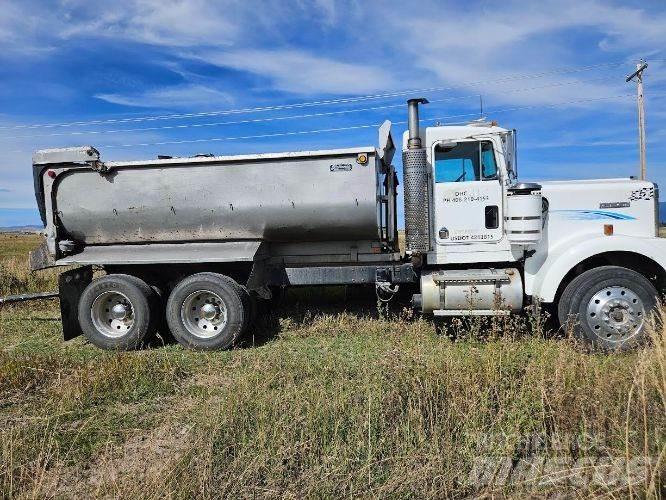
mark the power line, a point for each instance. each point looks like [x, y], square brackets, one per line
[293, 117]
[261, 136]
[215, 124]
[357, 127]
[310, 103]
[538, 106]
[353, 127]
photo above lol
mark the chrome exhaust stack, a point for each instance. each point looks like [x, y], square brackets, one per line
[415, 177]
[413, 121]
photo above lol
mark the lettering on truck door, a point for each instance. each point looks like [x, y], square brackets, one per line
[467, 193]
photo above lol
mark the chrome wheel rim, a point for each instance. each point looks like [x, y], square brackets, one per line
[204, 314]
[112, 314]
[615, 314]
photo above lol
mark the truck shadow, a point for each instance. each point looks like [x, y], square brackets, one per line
[293, 308]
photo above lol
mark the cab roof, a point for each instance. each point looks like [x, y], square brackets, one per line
[444, 132]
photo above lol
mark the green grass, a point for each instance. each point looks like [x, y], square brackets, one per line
[333, 404]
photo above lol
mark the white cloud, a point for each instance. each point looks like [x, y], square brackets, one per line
[226, 33]
[20, 33]
[12, 22]
[442, 42]
[190, 23]
[210, 31]
[183, 96]
[159, 22]
[459, 46]
[304, 73]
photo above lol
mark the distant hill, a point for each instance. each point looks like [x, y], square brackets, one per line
[21, 229]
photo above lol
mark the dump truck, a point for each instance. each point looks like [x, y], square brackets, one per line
[197, 240]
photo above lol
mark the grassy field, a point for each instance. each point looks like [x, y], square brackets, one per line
[323, 403]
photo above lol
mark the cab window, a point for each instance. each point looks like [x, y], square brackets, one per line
[465, 161]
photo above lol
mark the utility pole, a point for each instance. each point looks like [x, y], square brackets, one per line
[638, 75]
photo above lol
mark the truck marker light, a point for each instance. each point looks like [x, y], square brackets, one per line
[51, 174]
[608, 229]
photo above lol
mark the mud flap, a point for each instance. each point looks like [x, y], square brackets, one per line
[70, 287]
[258, 280]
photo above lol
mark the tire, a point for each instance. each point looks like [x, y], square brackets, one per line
[609, 307]
[130, 325]
[207, 311]
[249, 302]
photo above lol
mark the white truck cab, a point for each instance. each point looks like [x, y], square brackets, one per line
[561, 238]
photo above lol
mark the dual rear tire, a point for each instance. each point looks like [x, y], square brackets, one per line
[205, 311]
[117, 312]
[208, 311]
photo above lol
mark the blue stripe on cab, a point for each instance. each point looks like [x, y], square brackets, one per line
[591, 215]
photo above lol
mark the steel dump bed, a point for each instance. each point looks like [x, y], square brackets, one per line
[308, 196]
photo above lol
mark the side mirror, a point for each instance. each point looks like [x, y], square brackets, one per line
[511, 154]
[514, 153]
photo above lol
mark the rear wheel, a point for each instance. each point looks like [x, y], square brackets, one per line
[118, 311]
[207, 311]
[608, 307]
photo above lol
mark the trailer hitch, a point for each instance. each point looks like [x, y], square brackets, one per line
[384, 288]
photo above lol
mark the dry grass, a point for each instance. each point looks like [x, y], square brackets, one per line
[334, 404]
[15, 275]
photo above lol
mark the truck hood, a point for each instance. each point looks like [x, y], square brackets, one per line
[626, 181]
[630, 204]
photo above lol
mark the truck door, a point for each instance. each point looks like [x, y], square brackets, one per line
[467, 193]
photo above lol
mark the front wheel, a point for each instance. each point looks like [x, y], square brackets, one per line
[608, 307]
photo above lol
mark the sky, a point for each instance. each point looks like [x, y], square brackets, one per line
[119, 75]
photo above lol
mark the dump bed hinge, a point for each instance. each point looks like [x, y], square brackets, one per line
[81, 155]
[84, 154]
[98, 166]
